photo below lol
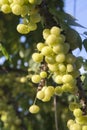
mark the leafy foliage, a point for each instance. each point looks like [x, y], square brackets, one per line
[85, 44]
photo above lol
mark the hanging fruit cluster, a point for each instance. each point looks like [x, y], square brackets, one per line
[60, 62]
[28, 11]
[80, 121]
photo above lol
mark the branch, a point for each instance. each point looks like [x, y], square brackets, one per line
[48, 17]
[55, 113]
[4, 70]
[82, 95]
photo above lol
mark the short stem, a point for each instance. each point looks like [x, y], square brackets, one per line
[55, 113]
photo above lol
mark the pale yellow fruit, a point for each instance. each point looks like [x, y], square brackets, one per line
[36, 78]
[77, 112]
[46, 33]
[37, 57]
[43, 74]
[52, 40]
[23, 29]
[70, 122]
[34, 109]
[49, 91]
[5, 8]
[75, 126]
[55, 30]
[40, 94]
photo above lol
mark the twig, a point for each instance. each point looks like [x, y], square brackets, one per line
[82, 95]
[55, 113]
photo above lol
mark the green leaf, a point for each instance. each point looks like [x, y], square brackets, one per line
[65, 17]
[85, 81]
[85, 33]
[5, 53]
[73, 23]
[85, 44]
[73, 38]
[85, 65]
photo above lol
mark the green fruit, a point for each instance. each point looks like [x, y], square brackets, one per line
[73, 106]
[61, 67]
[58, 90]
[79, 62]
[23, 29]
[58, 79]
[4, 117]
[66, 48]
[50, 59]
[43, 74]
[32, 26]
[44, 88]
[70, 58]
[62, 38]
[16, 9]
[40, 94]
[10, 1]
[2, 2]
[82, 120]
[67, 87]
[60, 58]
[40, 45]
[84, 127]
[34, 109]
[20, 2]
[70, 122]
[46, 51]
[67, 78]
[53, 67]
[35, 18]
[69, 68]
[24, 10]
[58, 48]
[46, 33]
[75, 126]
[32, 1]
[55, 30]
[77, 112]
[49, 91]
[5, 8]
[46, 98]
[75, 73]
[52, 40]
[37, 57]
[36, 78]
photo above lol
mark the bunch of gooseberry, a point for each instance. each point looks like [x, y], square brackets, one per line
[61, 64]
[26, 9]
[80, 121]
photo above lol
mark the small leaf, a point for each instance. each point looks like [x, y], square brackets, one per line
[85, 82]
[65, 17]
[5, 53]
[85, 33]
[73, 23]
[85, 44]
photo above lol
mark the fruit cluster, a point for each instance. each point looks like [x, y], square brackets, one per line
[80, 122]
[62, 65]
[26, 9]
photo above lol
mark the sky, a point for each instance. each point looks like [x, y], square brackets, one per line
[80, 13]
